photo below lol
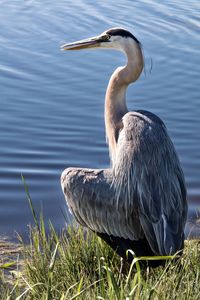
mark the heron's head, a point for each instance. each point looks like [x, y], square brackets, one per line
[114, 38]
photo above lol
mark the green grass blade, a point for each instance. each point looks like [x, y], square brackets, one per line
[53, 259]
[8, 265]
[30, 203]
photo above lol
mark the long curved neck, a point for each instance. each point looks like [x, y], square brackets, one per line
[115, 100]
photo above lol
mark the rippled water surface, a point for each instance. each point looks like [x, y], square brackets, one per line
[52, 103]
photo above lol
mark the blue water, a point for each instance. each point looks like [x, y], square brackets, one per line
[52, 102]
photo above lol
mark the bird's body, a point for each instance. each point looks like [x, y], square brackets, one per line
[140, 202]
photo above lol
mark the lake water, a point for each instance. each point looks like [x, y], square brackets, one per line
[52, 102]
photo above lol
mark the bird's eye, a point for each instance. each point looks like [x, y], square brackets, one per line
[105, 38]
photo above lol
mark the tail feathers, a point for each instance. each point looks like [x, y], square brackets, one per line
[121, 245]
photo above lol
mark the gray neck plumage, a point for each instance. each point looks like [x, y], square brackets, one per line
[115, 100]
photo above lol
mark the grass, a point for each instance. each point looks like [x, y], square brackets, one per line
[78, 265]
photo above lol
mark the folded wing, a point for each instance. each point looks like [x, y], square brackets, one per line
[91, 199]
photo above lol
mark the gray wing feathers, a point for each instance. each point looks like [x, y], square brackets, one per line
[147, 173]
[91, 198]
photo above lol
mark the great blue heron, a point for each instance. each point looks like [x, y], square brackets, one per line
[140, 202]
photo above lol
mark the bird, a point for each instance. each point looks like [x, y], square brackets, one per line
[139, 202]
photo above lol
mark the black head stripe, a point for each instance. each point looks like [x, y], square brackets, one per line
[123, 33]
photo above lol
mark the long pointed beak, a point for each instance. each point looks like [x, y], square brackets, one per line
[86, 43]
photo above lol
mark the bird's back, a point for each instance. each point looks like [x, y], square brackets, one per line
[149, 179]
